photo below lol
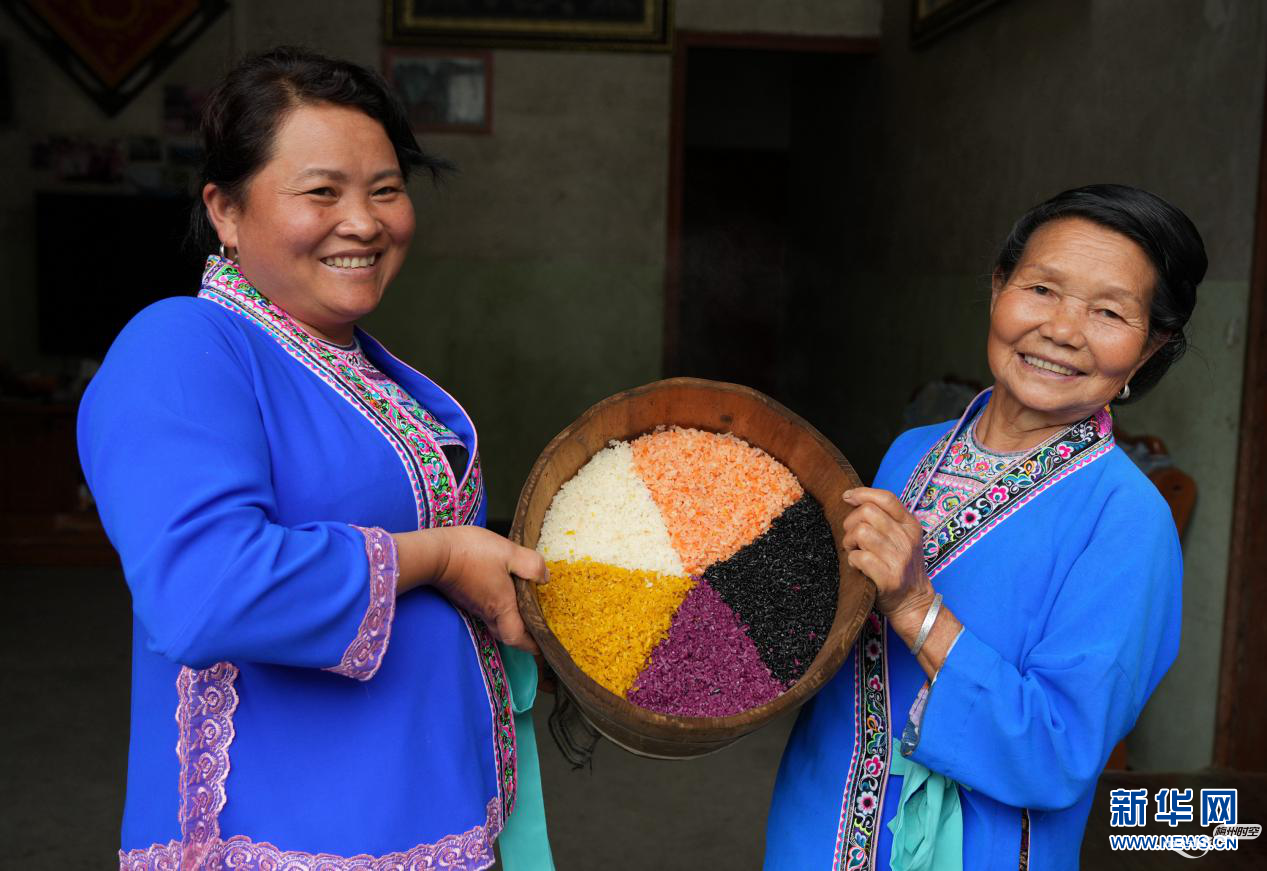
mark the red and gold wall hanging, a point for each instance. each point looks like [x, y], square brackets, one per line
[114, 48]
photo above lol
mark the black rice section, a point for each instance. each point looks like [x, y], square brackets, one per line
[784, 586]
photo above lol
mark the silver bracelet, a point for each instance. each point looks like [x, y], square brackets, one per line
[929, 619]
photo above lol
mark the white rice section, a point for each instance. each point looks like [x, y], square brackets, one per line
[606, 514]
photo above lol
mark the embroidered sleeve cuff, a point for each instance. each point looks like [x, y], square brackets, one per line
[365, 654]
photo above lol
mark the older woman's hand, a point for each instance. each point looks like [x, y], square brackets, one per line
[473, 568]
[884, 541]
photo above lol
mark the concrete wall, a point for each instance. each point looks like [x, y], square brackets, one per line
[1034, 97]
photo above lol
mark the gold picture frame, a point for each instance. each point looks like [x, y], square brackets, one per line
[621, 25]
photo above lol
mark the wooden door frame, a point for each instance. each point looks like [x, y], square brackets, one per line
[1242, 701]
[683, 41]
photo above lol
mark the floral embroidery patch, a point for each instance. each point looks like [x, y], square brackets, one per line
[204, 720]
[965, 470]
[473, 849]
[364, 655]
[1052, 461]
[858, 832]
[499, 699]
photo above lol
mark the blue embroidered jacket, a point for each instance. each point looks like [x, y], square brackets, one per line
[286, 707]
[1066, 575]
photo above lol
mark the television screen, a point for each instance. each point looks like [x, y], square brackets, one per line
[100, 259]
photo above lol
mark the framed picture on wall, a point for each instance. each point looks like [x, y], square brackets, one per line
[638, 25]
[931, 18]
[444, 91]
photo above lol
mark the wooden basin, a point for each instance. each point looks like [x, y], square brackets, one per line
[717, 407]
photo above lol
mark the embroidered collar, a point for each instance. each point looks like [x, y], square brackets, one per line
[416, 436]
[968, 458]
[966, 467]
[1013, 487]
[352, 352]
[965, 470]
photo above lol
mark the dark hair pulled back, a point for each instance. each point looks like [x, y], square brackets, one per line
[246, 109]
[1166, 235]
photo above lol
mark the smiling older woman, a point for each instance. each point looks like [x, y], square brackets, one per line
[1028, 576]
[286, 496]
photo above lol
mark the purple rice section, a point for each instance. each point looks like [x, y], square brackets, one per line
[707, 666]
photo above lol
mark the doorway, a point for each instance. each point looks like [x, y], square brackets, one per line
[765, 156]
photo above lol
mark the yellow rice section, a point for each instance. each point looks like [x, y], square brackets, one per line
[610, 618]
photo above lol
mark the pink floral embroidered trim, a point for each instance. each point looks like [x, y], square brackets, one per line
[441, 501]
[160, 857]
[364, 655]
[858, 831]
[1081, 463]
[497, 685]
[471, 490]
[1056, 459]
[204, 722]
[470, 851]
[204, 719]
[1007, 491]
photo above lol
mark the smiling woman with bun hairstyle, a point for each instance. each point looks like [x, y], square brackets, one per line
[329, 668]
[1028, 575]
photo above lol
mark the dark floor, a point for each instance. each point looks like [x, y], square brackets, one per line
[64, 681]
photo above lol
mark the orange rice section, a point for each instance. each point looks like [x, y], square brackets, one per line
[608, 618]
[716, 492]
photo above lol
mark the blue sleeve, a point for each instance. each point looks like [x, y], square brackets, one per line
[1038, 735]
[175, 452]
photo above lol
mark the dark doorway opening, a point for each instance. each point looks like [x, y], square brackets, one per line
[766, 163]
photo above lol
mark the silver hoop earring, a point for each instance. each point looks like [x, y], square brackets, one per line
[1125, 392]
[221, 249]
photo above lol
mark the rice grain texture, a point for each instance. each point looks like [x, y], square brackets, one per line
[707, 667]
[783, 586]
[609, 618]
[605, 513]
[716, 491]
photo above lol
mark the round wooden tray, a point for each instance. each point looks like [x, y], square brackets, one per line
[717, 407]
